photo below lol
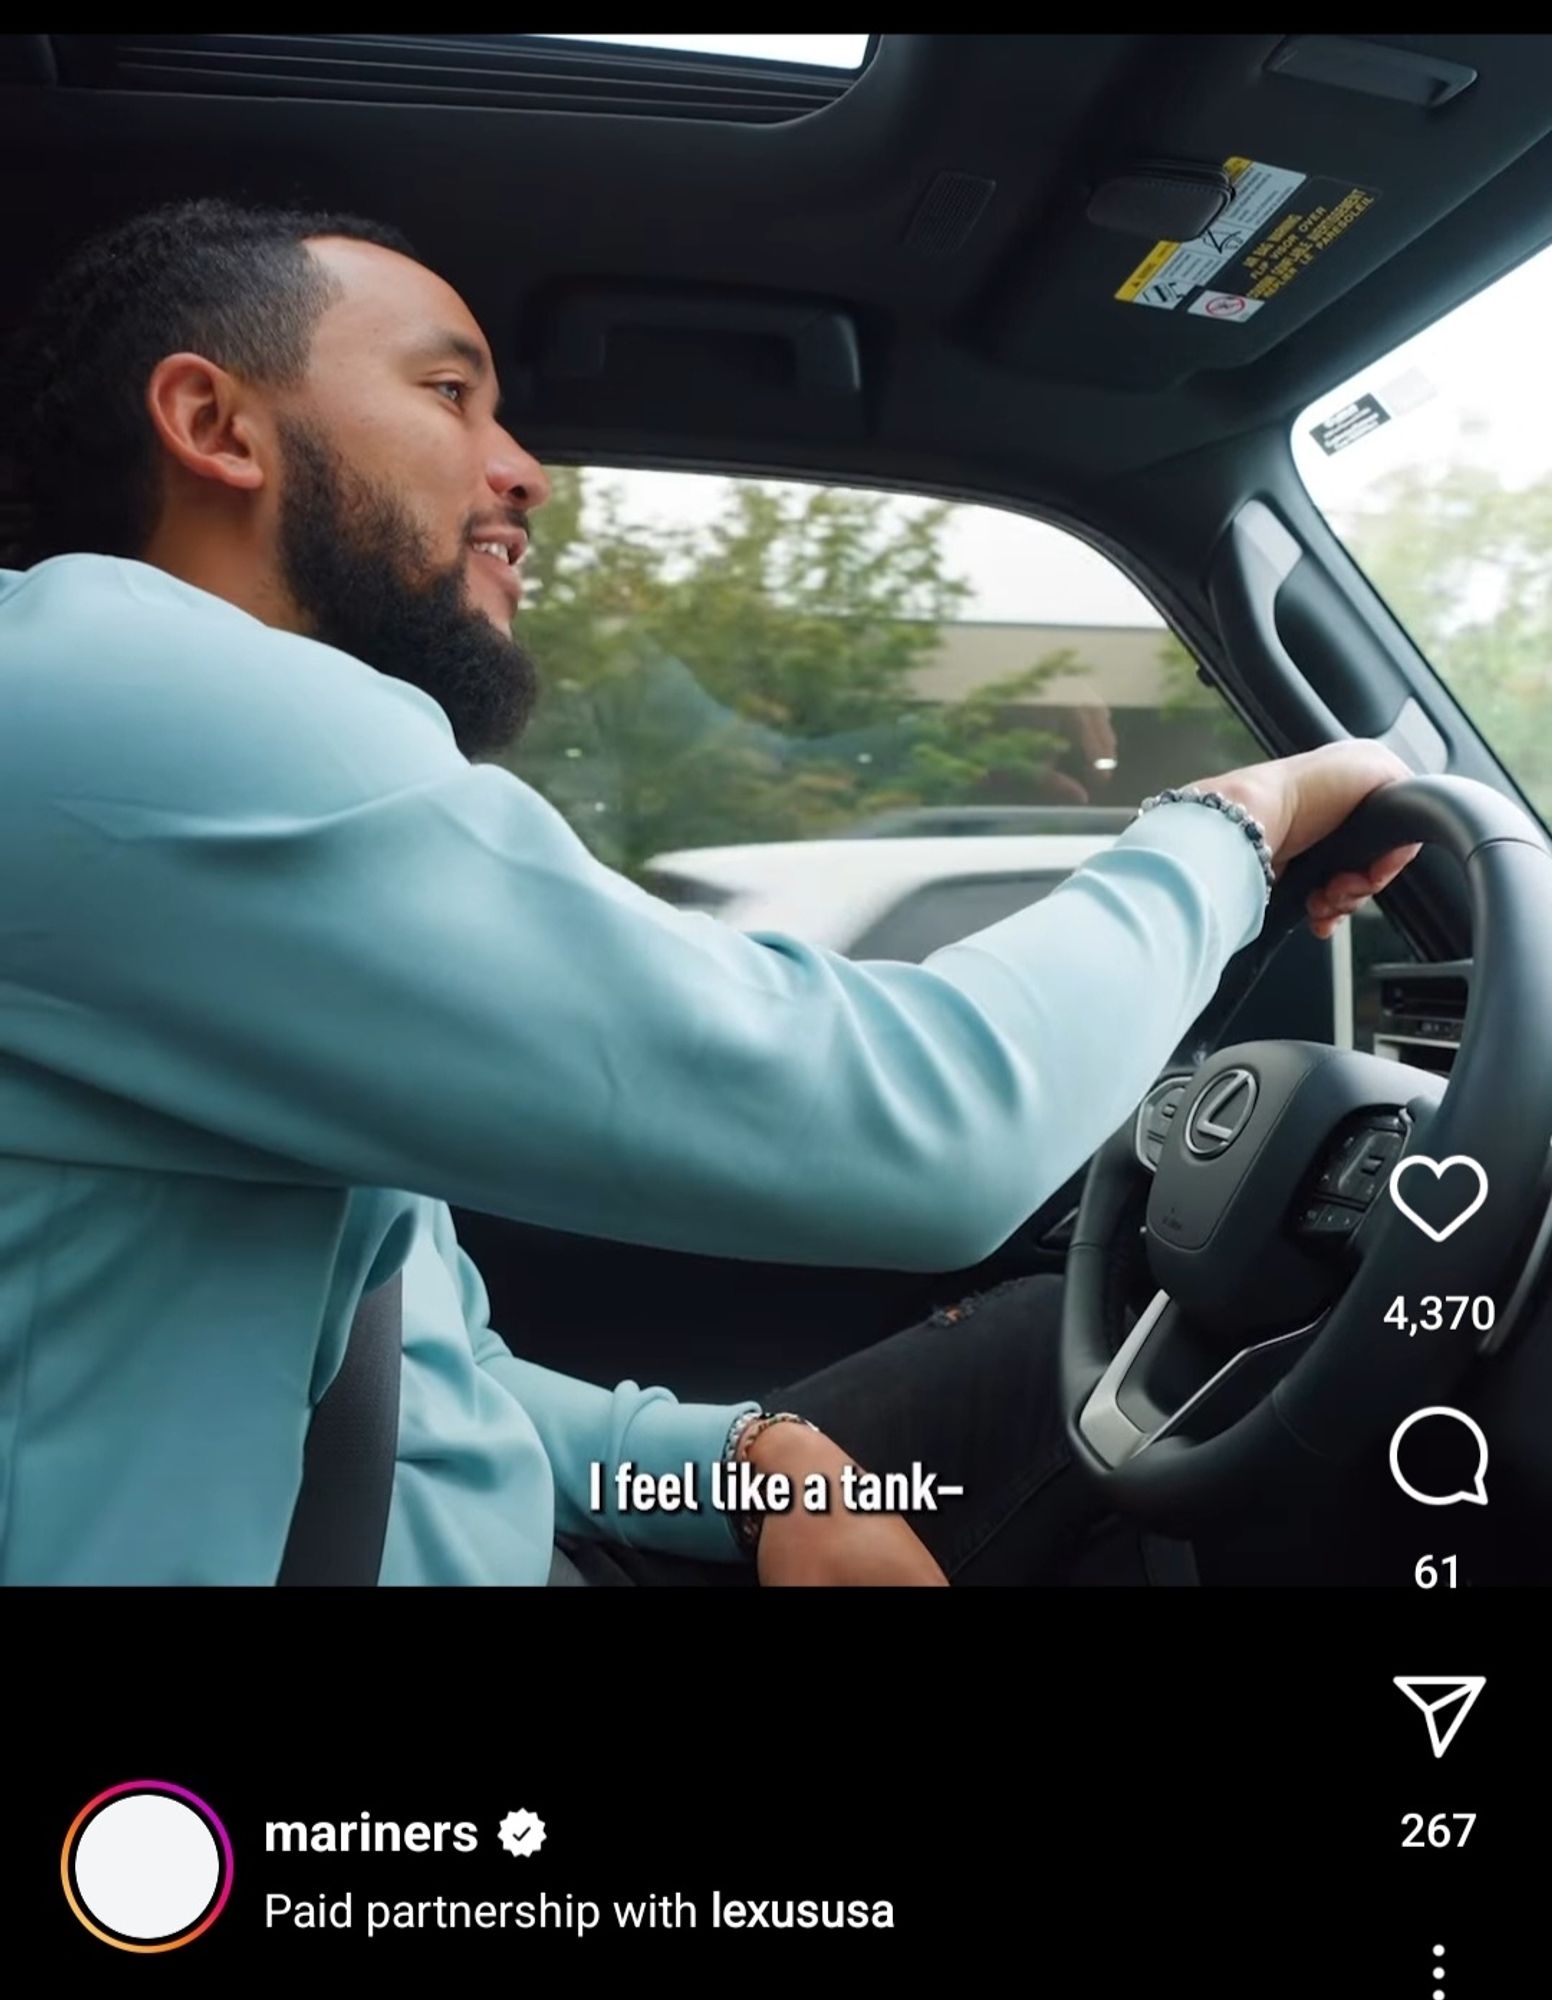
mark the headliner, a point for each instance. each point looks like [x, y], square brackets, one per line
[1001, 365]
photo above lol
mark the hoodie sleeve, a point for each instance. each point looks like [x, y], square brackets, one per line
[582, 1425]
[256, 890]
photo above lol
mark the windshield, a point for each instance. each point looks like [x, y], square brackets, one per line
[1434, 466]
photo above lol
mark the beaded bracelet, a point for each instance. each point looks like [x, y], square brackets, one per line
[1254, 831]
[744, 1429]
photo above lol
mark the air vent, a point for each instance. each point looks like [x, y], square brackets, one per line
[502, 72]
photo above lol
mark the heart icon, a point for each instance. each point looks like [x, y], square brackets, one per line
[1438, 1168]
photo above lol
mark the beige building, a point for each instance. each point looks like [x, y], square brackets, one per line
[1131, 715]
[1123, 662]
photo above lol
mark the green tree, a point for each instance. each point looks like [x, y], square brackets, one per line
[1466, 565]
[752, 678]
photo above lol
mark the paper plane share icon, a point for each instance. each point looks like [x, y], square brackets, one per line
[1445, 1700]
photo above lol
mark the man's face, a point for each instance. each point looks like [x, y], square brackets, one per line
[393, 470]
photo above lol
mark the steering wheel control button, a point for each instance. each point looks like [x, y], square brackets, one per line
[1221, 1113]
[1445, 1700]
[1160, 1108]
[1447, 1202]
[1446, 1463]
[1329, 1220]
[1360, 1158]
[1337, 1164]
[1368, 1165]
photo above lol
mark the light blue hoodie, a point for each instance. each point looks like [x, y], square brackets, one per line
[282, 975]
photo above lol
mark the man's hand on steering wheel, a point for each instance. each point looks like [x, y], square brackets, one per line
[1299, 800]
[1256, 1375]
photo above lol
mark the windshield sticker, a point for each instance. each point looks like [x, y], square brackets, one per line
[1403, 393]
[1278, 223]
[1347, 425]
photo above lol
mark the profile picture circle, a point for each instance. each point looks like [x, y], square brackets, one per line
[146, 1866]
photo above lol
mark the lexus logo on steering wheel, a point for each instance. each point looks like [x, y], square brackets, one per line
[1221, 1113]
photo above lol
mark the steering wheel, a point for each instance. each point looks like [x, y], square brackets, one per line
[1259, 1178]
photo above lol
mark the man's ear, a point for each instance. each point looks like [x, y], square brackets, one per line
[201, 417]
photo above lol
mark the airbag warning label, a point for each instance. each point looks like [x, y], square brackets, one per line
[1277, 224]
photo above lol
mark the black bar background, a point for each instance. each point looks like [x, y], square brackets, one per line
[1110, 1791]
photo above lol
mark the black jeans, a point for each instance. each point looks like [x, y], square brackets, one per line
[970, 1395]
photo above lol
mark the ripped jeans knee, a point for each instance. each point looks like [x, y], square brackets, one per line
[953, 1315]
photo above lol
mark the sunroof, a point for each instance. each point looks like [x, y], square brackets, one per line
[845, 52]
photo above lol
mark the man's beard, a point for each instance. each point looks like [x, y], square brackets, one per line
[362, 574]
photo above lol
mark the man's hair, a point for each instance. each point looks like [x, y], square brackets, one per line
[237, 285]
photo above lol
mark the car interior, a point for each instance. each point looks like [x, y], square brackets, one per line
[948, 272]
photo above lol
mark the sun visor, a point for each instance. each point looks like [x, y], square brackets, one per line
[1256, 193]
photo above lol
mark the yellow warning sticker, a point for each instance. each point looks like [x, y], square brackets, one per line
[1298, 238]
[1161, 253]
[1275, 226]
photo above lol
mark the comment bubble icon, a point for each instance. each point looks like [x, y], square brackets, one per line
[1433, 1455]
